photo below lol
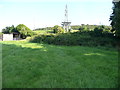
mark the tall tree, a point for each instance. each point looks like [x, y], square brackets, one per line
[115, 18]
[24, 30]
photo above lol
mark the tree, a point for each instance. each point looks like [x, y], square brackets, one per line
[8, 30]
[13, 29]
[58, 29]
[5, 30]
[115, 19]
[24, 30]
[55, 28]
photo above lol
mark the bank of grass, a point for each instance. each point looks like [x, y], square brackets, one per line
[32, 65]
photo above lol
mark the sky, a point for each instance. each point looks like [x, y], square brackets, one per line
[46, 13]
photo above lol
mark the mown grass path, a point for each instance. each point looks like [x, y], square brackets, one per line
[31, 65]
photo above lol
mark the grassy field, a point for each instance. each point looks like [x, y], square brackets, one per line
[43, 31]
[31, 65]
[49, 31]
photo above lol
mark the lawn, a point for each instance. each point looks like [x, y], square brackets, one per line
[31, 65]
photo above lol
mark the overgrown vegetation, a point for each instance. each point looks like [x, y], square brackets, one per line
[97, 37]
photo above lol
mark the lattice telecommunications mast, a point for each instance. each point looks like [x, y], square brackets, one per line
[66, 23]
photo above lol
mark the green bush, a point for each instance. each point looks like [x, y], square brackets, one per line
[77, 38]
[58, 29]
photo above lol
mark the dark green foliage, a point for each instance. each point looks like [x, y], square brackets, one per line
[91, 38]
[115, 18]
[8, 30]
[43, 38]
[98, 31]
[89, 35]
[13, 29]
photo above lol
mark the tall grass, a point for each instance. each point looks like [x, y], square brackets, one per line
[32, 65]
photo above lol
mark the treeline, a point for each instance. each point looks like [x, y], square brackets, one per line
[90, 27]
[82, 27]
[79, 27]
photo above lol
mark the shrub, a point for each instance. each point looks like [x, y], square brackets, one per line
[58, 29]
[77, 38]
